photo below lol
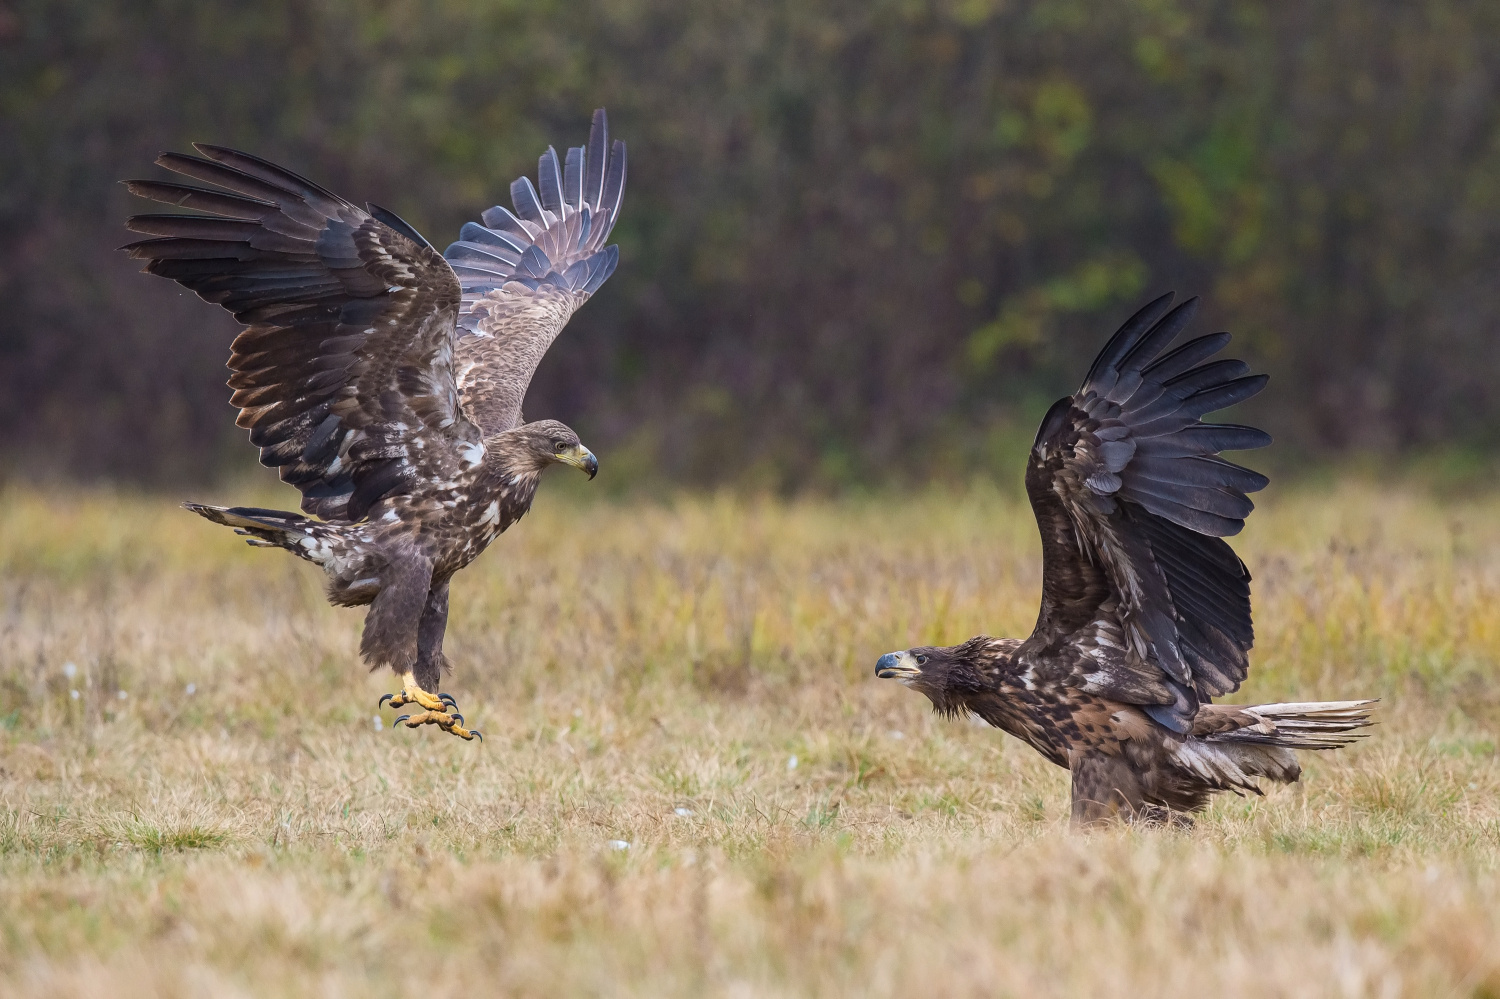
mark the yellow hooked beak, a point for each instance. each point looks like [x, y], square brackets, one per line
[580, 457]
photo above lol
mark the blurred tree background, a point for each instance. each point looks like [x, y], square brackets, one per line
[863, 241]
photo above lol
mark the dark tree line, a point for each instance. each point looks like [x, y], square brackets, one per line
[863, 239]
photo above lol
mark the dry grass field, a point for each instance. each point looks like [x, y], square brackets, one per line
[692, 784]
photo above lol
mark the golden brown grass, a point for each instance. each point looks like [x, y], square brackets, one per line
[647, 674]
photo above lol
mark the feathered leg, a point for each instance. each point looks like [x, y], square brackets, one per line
[404, 631]
[390, 637]
[1107, 788]
[430, 664]
[430, 630]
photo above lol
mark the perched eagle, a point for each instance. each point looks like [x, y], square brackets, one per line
[1145, 613]
[384, 380]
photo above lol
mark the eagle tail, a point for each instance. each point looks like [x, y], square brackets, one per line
[264, 528]
[1302, 724]
[1259, 740]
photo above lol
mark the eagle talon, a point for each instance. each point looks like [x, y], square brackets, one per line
[412, 693]
[425, 718]
[453, 724]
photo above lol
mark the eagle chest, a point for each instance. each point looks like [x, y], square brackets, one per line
[481, 520]
[1053, 719]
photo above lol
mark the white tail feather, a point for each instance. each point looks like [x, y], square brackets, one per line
[1303, 724]
[1231, 760]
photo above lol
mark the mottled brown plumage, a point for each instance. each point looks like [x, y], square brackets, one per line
[383, 379]
[1145, 610]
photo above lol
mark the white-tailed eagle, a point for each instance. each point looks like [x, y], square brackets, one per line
[384, 380]
[1145, 614]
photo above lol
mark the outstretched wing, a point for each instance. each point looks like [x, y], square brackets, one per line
[1133, 501]
[344, 376]
[525, 273]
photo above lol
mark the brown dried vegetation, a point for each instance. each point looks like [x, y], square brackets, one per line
[645, 674]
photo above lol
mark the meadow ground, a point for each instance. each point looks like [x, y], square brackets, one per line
[692, 784]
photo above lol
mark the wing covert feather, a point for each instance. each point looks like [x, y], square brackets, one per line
[345, 373]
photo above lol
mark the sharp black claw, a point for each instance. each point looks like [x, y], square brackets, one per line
[448, 699]
[383, 699]
[399, 720]
[477, 734]
[458, 719]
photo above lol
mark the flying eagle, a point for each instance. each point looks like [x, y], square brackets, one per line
[384, 380]
[1145, 614]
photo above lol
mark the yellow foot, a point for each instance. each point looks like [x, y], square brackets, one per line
[452, 723]
[413, 694]
[439, 709]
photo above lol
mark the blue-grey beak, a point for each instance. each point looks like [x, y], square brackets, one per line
[897, 666]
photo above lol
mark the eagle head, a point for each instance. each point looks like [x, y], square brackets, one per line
[548, 441]
[950, 677]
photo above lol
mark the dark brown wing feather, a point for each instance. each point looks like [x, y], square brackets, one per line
[1132, 501]
[525, 273]
[345, 374]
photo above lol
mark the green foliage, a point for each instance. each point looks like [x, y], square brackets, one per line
[850, 229]
[158, 841]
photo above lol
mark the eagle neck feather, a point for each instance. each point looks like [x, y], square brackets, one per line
[514, 473]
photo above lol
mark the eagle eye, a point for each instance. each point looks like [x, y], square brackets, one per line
[921, 660]
[559, 446]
